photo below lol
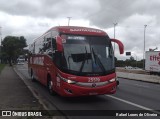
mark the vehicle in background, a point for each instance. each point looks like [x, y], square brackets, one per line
[152, 62]
[128, 67]
[74, 61]
[20, 61]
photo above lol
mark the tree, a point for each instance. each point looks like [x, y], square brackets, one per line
[12, 47]
[132, 58]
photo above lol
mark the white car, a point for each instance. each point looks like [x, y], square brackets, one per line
[20, 61]
[128, 67]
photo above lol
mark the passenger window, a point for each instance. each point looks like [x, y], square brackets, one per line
[54, 44]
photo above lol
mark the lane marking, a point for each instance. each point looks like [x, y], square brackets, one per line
[22, 69]
[141, 85]
[155, 87]
[138, 85]
[133, 104]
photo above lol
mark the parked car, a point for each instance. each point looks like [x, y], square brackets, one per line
[20, 61]
[128, 67]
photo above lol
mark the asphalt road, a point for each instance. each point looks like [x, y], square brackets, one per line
[131, 97]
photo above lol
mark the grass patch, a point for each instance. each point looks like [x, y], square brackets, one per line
[1, 67]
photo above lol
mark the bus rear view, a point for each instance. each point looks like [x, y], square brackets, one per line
[81, 62]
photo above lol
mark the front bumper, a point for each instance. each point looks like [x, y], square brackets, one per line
[72, 90]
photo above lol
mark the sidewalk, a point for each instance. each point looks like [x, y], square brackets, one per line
[140, 77]
[14, 94]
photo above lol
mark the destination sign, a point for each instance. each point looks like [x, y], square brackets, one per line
[87, 30]
[76, 38]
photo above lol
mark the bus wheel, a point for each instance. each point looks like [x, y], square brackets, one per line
[117, 83]
[32, 76]
[50, 87]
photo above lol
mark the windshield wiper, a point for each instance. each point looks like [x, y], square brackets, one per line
[82, 65]
[98, 61]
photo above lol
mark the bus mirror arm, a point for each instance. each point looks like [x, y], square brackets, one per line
[59, 44]
[120, 44]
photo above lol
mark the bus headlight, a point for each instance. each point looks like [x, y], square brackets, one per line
[66, 80]
[71, 81]
[112, 80]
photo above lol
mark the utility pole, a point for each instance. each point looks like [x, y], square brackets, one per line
[69, 18]
[115, 24]
[145, 26]
[1, 43]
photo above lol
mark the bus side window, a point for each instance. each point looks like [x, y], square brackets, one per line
[54, 44]
[44, 44]
[47, 45]
[54, 47]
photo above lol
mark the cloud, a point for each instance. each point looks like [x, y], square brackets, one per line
[50, 8]
[101, 13]
[117, 11]
[31, 27]
[33, 18]
[23, 25]
[131, 33]
[135, 32]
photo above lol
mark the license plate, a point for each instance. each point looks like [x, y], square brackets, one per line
[93, 93]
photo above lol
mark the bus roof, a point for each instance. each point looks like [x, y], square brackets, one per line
[79, 30]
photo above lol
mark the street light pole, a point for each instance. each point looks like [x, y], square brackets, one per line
[1, 43]
[115, 24]
[1, 34]
[145, 26]
[69, 18]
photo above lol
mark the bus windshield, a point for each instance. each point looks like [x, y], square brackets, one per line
[87, 55]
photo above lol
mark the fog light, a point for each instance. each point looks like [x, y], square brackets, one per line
[69, 91]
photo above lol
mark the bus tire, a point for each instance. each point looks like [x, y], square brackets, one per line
[50, 86]
[32, 76]
[117, 82]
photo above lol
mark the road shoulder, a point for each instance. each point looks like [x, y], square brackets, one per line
[15, 94]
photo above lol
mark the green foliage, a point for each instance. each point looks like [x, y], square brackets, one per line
[132, 58]
[12, 47]
[1, 67]
[129, 62]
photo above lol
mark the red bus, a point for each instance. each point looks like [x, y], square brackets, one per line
[74, 61]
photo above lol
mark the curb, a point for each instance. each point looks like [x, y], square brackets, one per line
[139, 77]
[38, 98]
[32, 91]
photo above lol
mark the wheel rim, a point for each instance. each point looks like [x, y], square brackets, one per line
[50, 86]
[32, 77]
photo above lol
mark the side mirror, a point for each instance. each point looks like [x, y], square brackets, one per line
[120, 44]
[59, 44]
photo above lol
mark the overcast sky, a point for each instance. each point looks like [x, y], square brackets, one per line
[32, 18]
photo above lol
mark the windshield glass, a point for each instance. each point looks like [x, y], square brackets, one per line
[90, 55]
